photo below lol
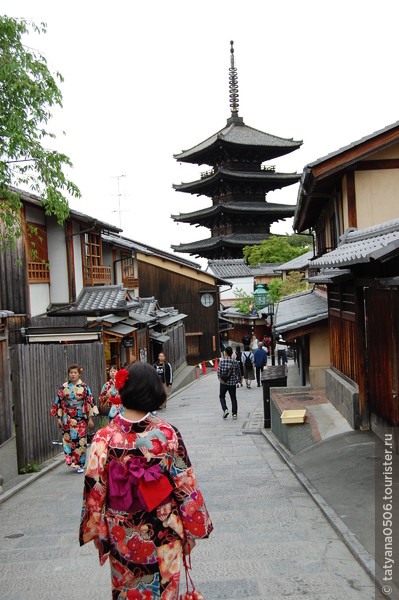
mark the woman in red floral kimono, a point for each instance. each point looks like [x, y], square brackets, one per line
[74, 408]
[141, 503]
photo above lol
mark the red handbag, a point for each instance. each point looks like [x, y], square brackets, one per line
[193, 594]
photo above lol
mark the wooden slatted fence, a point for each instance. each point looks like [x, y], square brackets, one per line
[38, 371]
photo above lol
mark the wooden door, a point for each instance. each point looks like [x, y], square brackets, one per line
[382, 327]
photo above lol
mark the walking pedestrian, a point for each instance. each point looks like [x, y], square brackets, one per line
[247, 360]
[141, 504]
[254, 343]
[229, 375]
[74, 408]
[238, 359]
[109, 395]
[281, 347]
[164, 370]
[260, 360]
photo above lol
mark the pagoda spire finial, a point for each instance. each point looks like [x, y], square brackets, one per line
[233, 89]
[233, 83]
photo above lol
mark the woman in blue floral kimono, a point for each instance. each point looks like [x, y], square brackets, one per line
[74, 408]
[142, 506]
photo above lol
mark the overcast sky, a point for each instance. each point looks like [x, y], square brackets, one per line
[144, 80]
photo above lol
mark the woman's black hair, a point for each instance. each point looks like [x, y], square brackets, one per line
[143, 389]
[246, 348]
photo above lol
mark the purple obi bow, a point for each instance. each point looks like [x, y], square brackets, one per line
[124, 481]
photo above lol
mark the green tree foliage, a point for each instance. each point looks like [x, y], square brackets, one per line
[293, 284]
[28, 92]
[274, 289]
[277, 249]
[244, 301]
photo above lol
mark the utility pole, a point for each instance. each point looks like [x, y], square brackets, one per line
[119, 177]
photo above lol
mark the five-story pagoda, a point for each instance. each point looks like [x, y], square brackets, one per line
[237, 183]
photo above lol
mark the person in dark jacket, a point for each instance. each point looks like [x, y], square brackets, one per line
[260, 361]
[164, 370]
[229, 375]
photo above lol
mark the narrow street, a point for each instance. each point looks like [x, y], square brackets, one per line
[270, 541]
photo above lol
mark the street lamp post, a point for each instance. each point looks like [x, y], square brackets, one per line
[270, 313]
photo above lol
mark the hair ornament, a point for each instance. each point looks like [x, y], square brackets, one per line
[120, 378]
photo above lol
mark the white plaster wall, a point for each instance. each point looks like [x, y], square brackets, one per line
[377, 196]
[239, 283]
[56, 246]
[77, 253]
[39, 294]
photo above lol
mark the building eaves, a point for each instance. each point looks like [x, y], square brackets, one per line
[355, 144]
[170, 320]
[35, 200]
[363, 245]
[300, 311]
[270, 180]
[280, 211]
[298, 263]
[158, 337]
[229, 268]
[326, 276]
[239, 239]
[264, 269]
[242, 135]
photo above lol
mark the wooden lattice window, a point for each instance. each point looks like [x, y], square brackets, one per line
[193, 344]
[128, 278]
[342, 301]
[94, 273]
[38, 267]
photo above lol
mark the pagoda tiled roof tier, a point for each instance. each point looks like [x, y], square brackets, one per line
[229, 246]
[238, 136]
[267, 180]
[270, 210]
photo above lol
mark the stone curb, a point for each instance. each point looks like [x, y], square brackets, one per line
[350, 540]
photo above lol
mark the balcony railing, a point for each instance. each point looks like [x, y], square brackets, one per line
[38, 272]
[96, 275]
[130, 282]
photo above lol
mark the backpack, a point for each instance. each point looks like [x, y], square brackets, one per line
[248, 362]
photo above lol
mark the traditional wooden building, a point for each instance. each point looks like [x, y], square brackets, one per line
[349, 199]
[237, 183]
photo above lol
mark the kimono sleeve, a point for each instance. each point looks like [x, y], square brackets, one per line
[193, 512]
[103, 396]
[89, 406]
[95, 489]
[56, 409]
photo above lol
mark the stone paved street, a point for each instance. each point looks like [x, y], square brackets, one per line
[270, 542]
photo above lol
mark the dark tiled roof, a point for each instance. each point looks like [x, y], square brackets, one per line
[331, 276]
[233, 313]
[300, 310]
[101, 298]
[229, 268]
[235, 239]
[363, 245]
[270, 180]
[266, 269]
[158, 337]
[281, 211]
[298, 263]
[243, 135]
